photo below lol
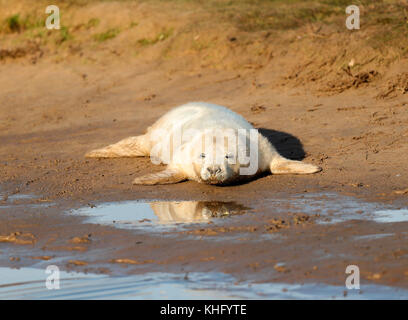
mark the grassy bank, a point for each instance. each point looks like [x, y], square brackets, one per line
[219, 34]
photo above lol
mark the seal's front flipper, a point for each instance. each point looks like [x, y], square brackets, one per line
[129, 147]
[167, 176]
[282, 165]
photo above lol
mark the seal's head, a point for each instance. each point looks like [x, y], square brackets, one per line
[217, 172]
[216, 157]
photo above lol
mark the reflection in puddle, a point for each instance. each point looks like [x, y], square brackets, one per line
[132, 214]
[194, 211]
[29, 283]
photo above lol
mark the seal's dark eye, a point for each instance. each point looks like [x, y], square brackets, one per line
[202, 156]
[229, 156]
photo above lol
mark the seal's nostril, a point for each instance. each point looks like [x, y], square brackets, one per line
[214, 171]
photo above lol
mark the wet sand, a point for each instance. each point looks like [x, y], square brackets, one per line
[52, 113]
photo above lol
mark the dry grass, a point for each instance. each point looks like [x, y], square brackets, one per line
[221, 33]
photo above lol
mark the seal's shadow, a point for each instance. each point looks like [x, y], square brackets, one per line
[286, 144]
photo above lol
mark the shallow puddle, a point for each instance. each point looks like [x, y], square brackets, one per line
[22, 200]
[334, 208]
[30, 283]
[374, 236]
[399, 215]
[18, 196]
[143, 214]
[327, 208]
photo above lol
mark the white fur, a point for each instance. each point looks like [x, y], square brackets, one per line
[201, 119]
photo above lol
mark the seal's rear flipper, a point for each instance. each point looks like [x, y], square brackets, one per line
[282, 165]
[167, 176]
[129, 147]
